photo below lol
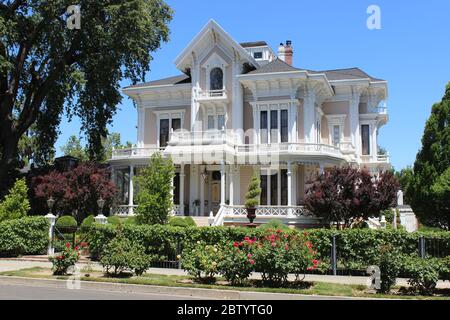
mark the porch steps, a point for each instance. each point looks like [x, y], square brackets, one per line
[201, 221]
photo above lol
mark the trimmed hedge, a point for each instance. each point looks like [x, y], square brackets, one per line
[24, 236]
[357, 248]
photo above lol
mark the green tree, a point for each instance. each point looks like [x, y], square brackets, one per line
[253, 194]
[405, 177]
[431, 177]
[16, 204]
[112, 141]
[155, 191]
[48, 70]
[74, 148]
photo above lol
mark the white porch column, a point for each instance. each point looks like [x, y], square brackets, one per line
[321, 168]
[222, 184]
[374, 142]
[131, 191]
[231, 178]
[238, 103]
[202, 191]
[309, 111]
[290, 188]
[182, 175]
[354, 120]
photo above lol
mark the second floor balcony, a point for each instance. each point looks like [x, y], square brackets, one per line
[212, 95]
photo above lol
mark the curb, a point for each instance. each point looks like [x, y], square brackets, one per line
[178, 291]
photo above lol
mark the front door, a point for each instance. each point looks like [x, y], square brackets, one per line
[215, 192]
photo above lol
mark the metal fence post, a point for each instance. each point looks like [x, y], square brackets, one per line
[333, 256]
[422, 248]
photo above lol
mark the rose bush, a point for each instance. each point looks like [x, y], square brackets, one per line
[201, 261]
[238, 261]
[66, 259]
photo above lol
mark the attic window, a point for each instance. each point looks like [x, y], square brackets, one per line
[258, 55]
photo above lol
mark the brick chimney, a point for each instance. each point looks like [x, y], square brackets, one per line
[286, 52]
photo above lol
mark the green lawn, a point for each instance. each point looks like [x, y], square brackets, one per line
[316, 288]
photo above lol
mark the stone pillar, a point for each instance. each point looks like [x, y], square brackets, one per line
[222, 184]
[51, 219]
[182, 175]
[131, 192]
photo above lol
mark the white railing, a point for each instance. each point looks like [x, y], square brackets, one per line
[212, 94]
[290, 148]
[215, 137]
[135, 152]
[220, 216]
[383, 158]
[124, 210]
[267, 211]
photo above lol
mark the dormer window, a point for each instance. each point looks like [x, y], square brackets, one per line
[216, 79]
[258, 55]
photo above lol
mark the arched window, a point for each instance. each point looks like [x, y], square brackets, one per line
[216, 79]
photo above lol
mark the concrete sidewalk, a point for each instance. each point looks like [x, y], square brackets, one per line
[24, 263]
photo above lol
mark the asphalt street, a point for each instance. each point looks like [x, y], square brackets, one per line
[15, 292]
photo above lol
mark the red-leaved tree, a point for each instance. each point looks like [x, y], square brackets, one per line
[76, 191]
[344, 195]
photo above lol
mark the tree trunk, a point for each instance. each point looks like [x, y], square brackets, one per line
[8, 158]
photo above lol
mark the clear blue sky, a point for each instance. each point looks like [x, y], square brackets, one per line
[411, 52]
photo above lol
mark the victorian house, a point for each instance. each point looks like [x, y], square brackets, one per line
[239, 109]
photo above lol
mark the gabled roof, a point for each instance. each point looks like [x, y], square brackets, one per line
[346, 74]
[213, 27]
[181, 79]
[279, 65]
[253, 44]
[275, 66]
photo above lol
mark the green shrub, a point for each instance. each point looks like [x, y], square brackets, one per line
[66, 259]
[66, 223]
[177, 222]
[190, 222]
[130, 221]
[237, 261]
[24, 236]
[390, 267]
[274, 225]
[122, 255]
[16, 204]
[253, 192]
[115, 220]
[87, 223]
[200, 261]
[423, 274]
[358, 248]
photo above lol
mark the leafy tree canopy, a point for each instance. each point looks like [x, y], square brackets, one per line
[47, 70]
[431, 178]
[155, 191]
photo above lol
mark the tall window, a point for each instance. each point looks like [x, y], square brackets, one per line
[365, 139]
[274, 190]
[264, 190]
[284, 188]
[284, 126]
[220, 121]
[163, 132]
[210, 122]
[216, 79]
[336, 135]
[176, 189]
[263, 127]
[274, 126]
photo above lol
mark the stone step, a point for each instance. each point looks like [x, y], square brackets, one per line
[201, 221]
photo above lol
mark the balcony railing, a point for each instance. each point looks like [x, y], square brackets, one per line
[382, 158]
[208, 137]
[135, 152]
[290, 148]
[212, 95]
